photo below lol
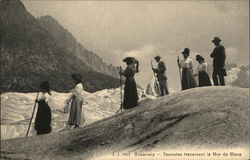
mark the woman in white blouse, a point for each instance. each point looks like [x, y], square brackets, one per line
[203, 77]
[186, 64]
[75, 115]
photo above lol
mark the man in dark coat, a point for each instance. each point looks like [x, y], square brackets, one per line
[219, 57]
[161, 75]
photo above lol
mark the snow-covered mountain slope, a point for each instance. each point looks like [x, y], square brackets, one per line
[232, 75]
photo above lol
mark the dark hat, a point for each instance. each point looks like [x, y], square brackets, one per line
[77, 77]
[129, 60]
[199, 57]
[185, 51]
[156, 57]
[216, 39]
[45, 85]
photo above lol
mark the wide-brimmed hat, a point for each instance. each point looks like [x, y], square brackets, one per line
[199, 57]
[45, 85]
[216, 39]
[157, 57]
[77, 77]
[129, 60]
[185, 51]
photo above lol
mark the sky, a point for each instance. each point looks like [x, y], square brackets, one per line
[143, 29]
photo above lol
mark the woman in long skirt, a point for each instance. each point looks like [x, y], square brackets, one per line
[75, 114]
[130, 99]
[203, 76]
[43, 115]
[186, 64]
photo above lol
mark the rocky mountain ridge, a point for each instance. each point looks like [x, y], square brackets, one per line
[30, 54]
[64, 38]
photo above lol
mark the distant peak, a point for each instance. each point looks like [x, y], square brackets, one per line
[48, 18]
[51, 21]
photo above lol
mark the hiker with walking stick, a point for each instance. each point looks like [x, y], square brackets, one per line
[75, 115]
[156, 85]
[187, 79]
[130, 99]
[161, 75]
[121, 87]
[34, 108]
[120, 109]
[43, 116]
[179, 67]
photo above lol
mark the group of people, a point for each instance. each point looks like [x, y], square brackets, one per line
[187, 77]
[43, 116]
[130, 99]
[219, 71]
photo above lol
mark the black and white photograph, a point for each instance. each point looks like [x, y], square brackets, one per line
[125, 80]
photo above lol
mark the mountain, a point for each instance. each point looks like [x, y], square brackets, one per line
[183, 120]
[64, 38]
[30, 54]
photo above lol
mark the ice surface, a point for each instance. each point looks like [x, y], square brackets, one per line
[16, 110]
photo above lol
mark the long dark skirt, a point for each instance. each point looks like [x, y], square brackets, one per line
[204, 79]
[75, 114]
[188, 80]
[43, 118]
[130, 94]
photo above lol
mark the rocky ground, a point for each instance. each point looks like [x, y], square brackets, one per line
[201, 117]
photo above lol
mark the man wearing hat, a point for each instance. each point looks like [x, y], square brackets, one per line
[219, 57]
[161, 76]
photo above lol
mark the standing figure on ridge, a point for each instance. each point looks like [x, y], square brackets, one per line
[75, 114]
[161, 75]
[203, 76]
[219, 57]
[130, 99]
[43, 115]
[186, 64]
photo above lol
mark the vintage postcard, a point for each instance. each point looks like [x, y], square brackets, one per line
[125, 80]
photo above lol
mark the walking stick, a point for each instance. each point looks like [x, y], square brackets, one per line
[156, 84]
[121, 87]
[32, 116]
[179, 66]
[120, 109]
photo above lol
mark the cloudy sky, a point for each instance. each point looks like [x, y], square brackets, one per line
[143, 29]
